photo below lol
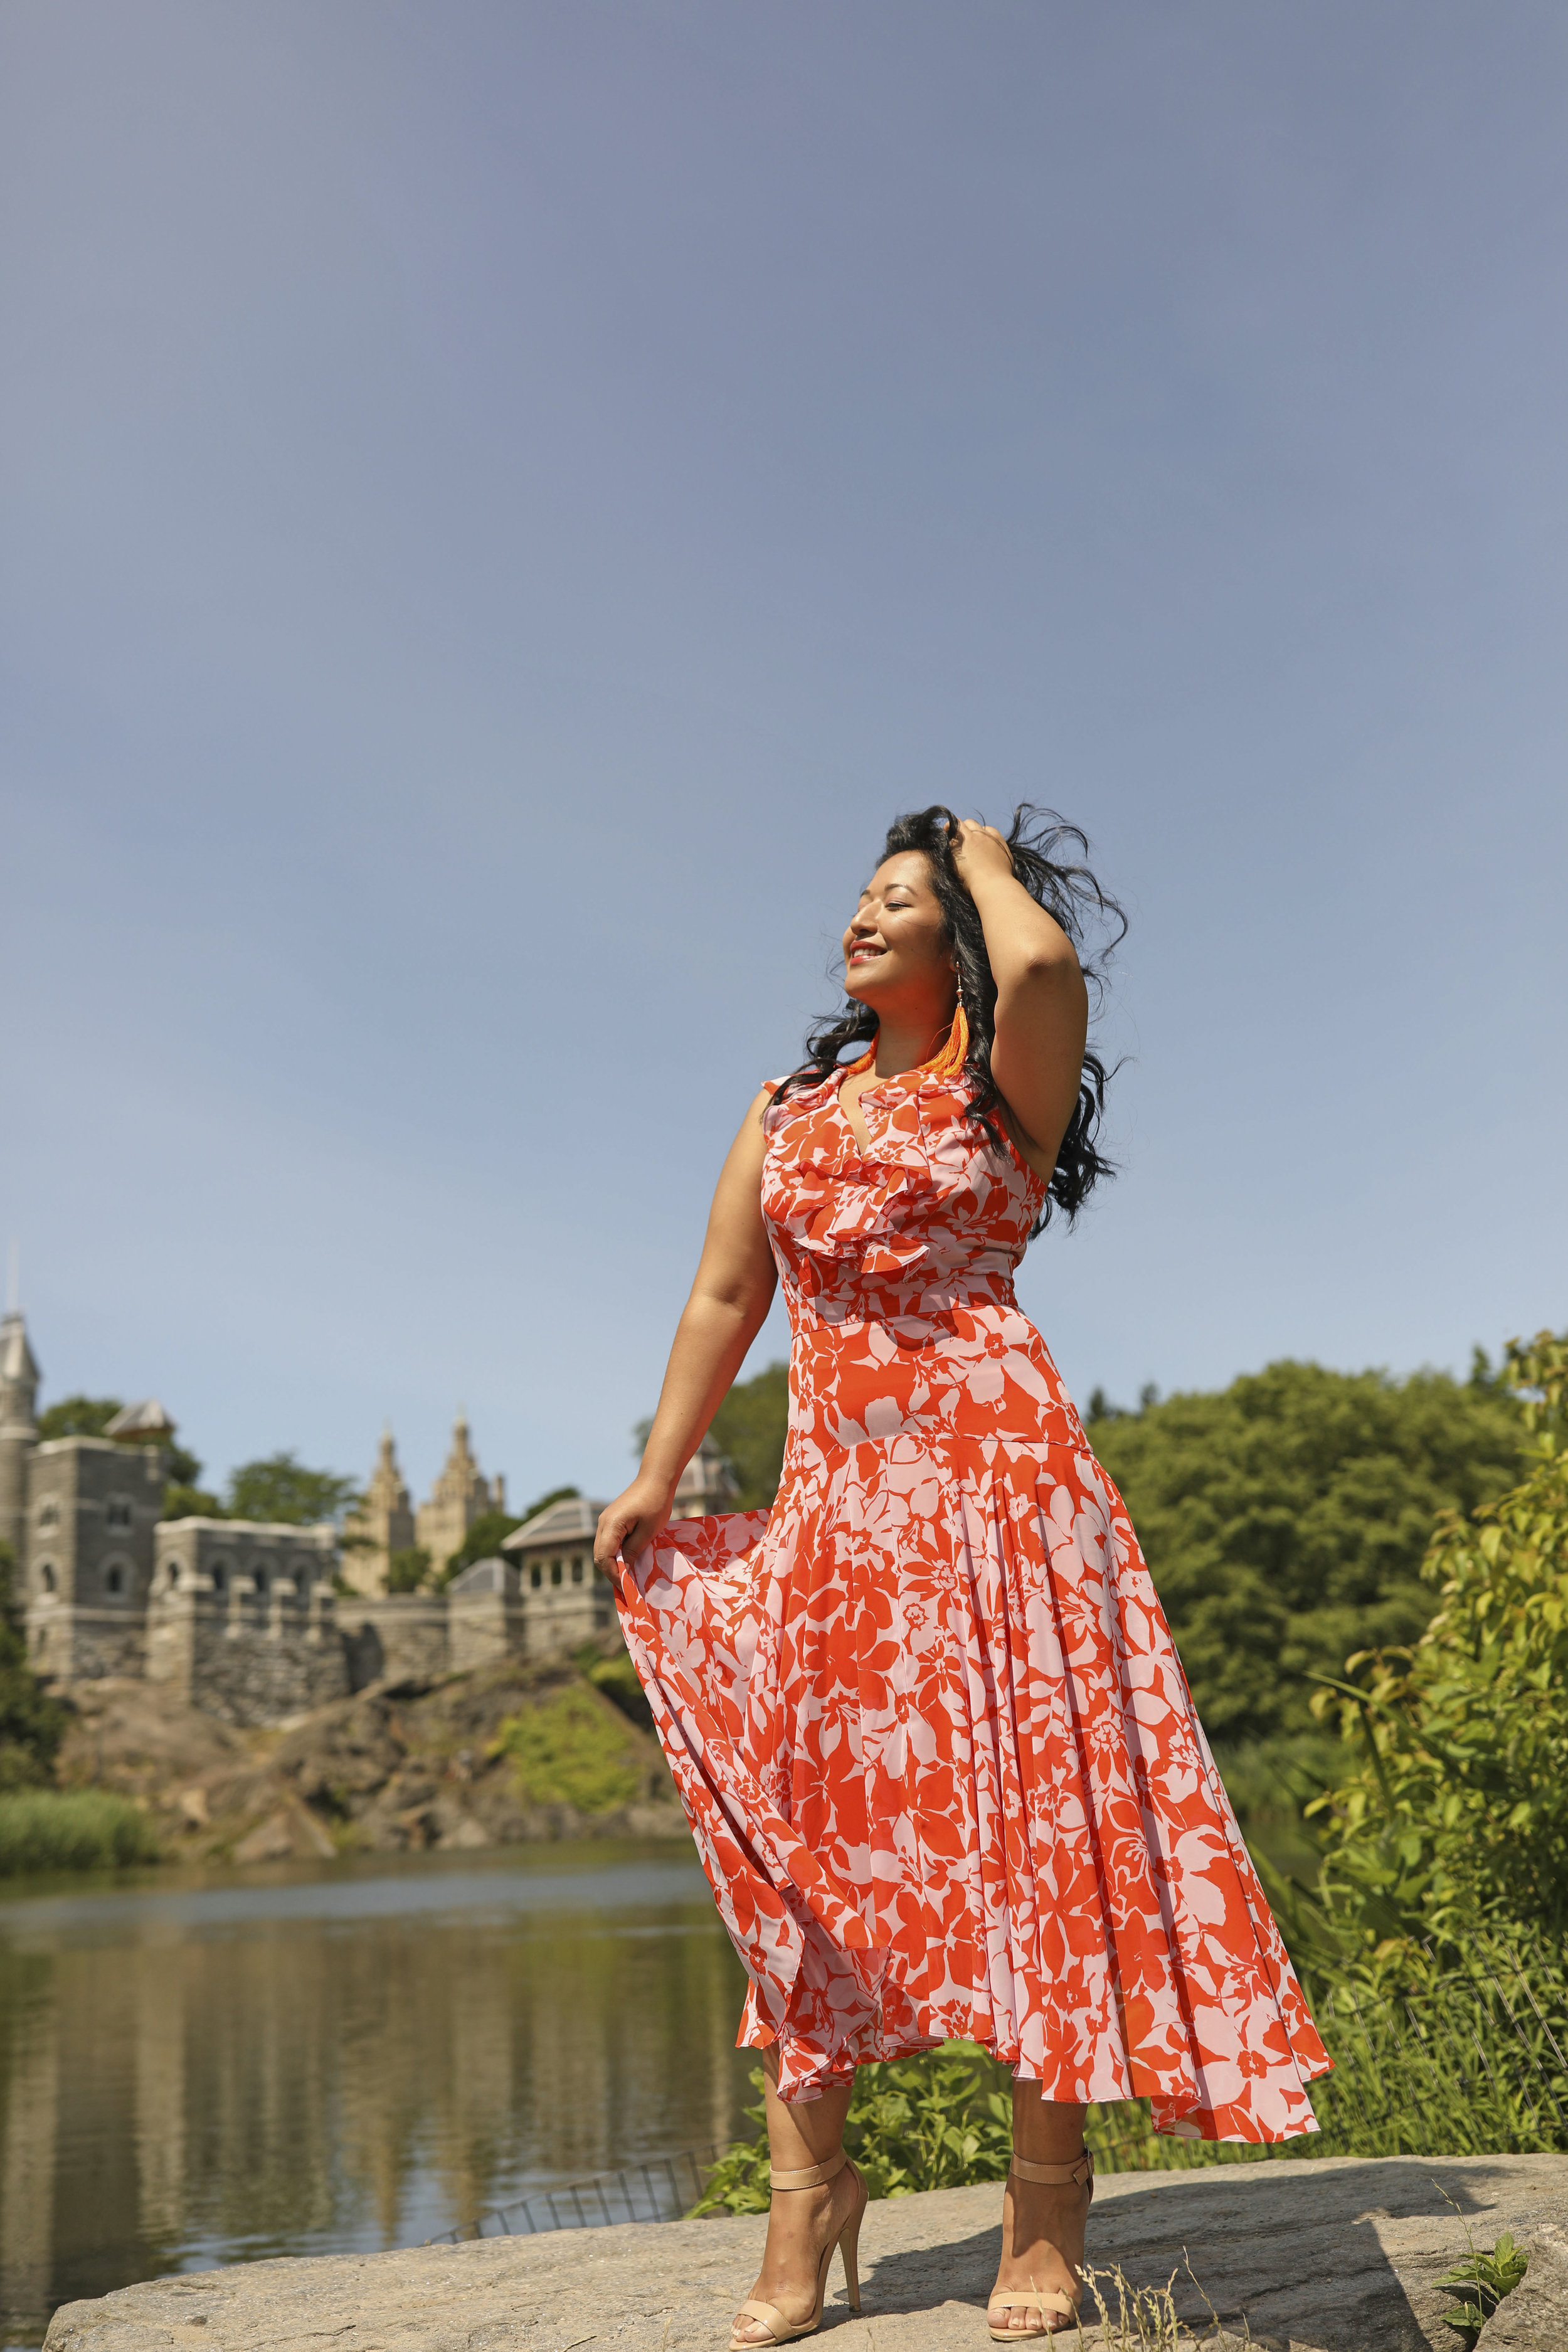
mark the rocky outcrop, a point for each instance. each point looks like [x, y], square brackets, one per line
[1330, 2255]
[398, 1767]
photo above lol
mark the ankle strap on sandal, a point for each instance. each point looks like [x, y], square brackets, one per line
[809, 2176]
[1056, 2175]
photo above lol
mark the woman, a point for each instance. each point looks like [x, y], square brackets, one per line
[924, 1715]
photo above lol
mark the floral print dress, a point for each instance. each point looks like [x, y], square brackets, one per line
[925, 1717]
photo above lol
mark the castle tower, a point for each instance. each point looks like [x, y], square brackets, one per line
[459, 1496]
[19, 1378]
[383, 1524]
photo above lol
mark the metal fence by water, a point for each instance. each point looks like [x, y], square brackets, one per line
[660, 2190]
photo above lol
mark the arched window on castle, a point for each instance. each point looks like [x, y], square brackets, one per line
[47, 1575]
[114, 1579]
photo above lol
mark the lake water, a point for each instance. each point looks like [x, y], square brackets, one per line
[198, 2068]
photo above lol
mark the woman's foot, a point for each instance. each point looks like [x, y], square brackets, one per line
[1042, 2254]
[802, 2224]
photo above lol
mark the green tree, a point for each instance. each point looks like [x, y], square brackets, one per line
[191, 1501]
[1456, 1813]
[32, 1725]
[1285, 1519]
[749, 1429]
[482, 1541]
[85, 1416]
[78, 1416]
[280, 1489]
[408, 1571]
[555, 1494]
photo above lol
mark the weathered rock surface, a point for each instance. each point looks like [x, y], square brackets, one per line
[1298, 2255]
[1535, 2316]
[395, 1769]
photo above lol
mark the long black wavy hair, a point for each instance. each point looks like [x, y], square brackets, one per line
[1069, 893]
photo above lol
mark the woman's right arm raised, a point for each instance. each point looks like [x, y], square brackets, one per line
[729, 1303]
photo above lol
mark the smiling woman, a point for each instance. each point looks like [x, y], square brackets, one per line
[924, 1714]
[918, 933]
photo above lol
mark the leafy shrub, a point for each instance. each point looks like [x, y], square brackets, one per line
[72, 1829]
[914, 2123]
[1456, 1812]
[570, 1750]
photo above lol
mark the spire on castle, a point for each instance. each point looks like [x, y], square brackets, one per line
[381, 1523]
[460, 1496]
[19, 1366]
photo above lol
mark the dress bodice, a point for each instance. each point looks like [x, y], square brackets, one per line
[931, 1215]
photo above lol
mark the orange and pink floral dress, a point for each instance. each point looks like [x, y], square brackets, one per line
[925, 1717]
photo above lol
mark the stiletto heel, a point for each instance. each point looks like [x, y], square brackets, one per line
[780, 2330]
[849, 2251]
[1050, 2175]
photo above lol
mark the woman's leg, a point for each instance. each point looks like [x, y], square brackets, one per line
[1042, 2228]
[801, 2221]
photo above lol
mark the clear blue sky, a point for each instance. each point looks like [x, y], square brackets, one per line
[502, 503]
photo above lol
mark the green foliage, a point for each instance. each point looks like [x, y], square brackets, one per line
[1456, 1811]
[1285, 1517]
[187, 1502]
[916, 2122]
[570, 1750]
[72, 1829]
[182, 1469]
[78, 1416]
[32, 1725]
[482, 1541]
[408, 1571]
[617, 1678]
[749, 1430]
[279, 1489]
[85, 1416]
[556, 1495]
[1484, 2278]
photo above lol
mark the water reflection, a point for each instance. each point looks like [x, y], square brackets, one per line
[331, 2058]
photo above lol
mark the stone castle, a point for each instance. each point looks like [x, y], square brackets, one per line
[257, 1622]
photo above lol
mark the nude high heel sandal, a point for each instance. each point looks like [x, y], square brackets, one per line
[780, 2330]
[1066, 2306]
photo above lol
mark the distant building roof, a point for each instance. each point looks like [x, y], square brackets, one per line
[574, 1520]
[146, 1421]
[487, 1576]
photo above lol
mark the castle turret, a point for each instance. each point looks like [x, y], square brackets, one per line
[459, 1496]
[383, 1524]
[19, 1379]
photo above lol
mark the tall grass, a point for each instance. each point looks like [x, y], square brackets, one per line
[71, 1828]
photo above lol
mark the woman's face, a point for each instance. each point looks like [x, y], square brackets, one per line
[896, 953]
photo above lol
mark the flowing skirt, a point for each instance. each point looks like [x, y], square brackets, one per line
[947, 1782]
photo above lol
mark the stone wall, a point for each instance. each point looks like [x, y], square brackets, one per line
[81, 1644]
[246, 1658]
[393, 1634]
